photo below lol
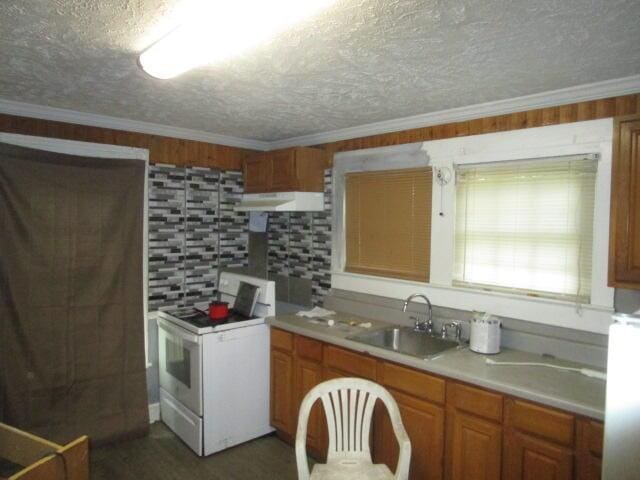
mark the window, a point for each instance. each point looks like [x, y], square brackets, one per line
[388, 223]
[526, 226]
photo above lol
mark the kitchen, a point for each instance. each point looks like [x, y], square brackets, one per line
[468, 255]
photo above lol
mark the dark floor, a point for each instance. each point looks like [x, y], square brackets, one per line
[162, 456]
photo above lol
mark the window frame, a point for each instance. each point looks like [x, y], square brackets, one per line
[580, 138]
[496, 287]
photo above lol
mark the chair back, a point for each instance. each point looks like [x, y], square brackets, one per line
[348, 406]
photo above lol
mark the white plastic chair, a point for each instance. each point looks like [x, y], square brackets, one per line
[348, 405]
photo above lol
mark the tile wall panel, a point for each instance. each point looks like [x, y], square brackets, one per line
[321, 281]
[193, 231]
[300, 245]
[234, 228]
[278, 249]
[202, 230]
[166, 236]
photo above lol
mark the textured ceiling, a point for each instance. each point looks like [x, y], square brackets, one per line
[359, 62]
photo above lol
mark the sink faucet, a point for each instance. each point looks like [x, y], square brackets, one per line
[421, 326]
[457, 329]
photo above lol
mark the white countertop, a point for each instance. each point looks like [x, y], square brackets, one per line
[566, 390]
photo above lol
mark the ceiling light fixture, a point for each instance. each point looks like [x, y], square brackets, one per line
[221, 30]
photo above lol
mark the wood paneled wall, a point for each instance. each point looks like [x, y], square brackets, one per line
[576, 112]
[169, 150]
[187, 152]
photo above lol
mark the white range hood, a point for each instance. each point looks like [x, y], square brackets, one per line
[282, 202]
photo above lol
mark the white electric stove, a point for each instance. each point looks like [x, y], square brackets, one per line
[214, 378]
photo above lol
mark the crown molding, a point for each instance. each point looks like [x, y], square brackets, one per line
[10, 107]
[580, 93]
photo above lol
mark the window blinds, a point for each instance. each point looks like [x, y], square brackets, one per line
[527, 226]
[388, 223]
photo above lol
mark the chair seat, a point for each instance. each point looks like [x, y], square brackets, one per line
[347, 469]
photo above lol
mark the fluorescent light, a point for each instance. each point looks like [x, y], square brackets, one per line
[222, 30]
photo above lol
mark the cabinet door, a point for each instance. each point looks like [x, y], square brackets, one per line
[424, 423]
[475, 447]
[310, 164]
[308, 374]
[284, 172]
[531, 458]
[257, 174]
[282, 392]
[624, 244]
[589, 450]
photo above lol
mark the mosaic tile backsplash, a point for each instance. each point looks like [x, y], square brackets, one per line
[300, 245]
[193, 231]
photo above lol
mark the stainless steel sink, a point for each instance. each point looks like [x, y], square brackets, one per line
[405, 340]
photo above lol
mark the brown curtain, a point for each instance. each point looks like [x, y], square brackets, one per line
[71, 321]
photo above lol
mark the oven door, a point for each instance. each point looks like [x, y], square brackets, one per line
[180, 364]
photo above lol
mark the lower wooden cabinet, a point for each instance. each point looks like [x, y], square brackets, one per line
[282, 407]
[424, 423]
[589, 442]
[538, 442]
[457, 431]
[543, 422]
[308, 374]
[474, 433]
[420, 398]
[530, 458]
[475, 447]
[345, 363]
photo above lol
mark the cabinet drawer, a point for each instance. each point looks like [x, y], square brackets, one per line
[350, 362]
[543, 422]
[281, 340]
[309, 348]
[413, 382]
[475, 401]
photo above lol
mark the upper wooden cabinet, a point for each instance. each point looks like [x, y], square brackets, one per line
[624, 242]
[293, 169]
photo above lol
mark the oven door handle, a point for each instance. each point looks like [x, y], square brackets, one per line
[179, 332]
